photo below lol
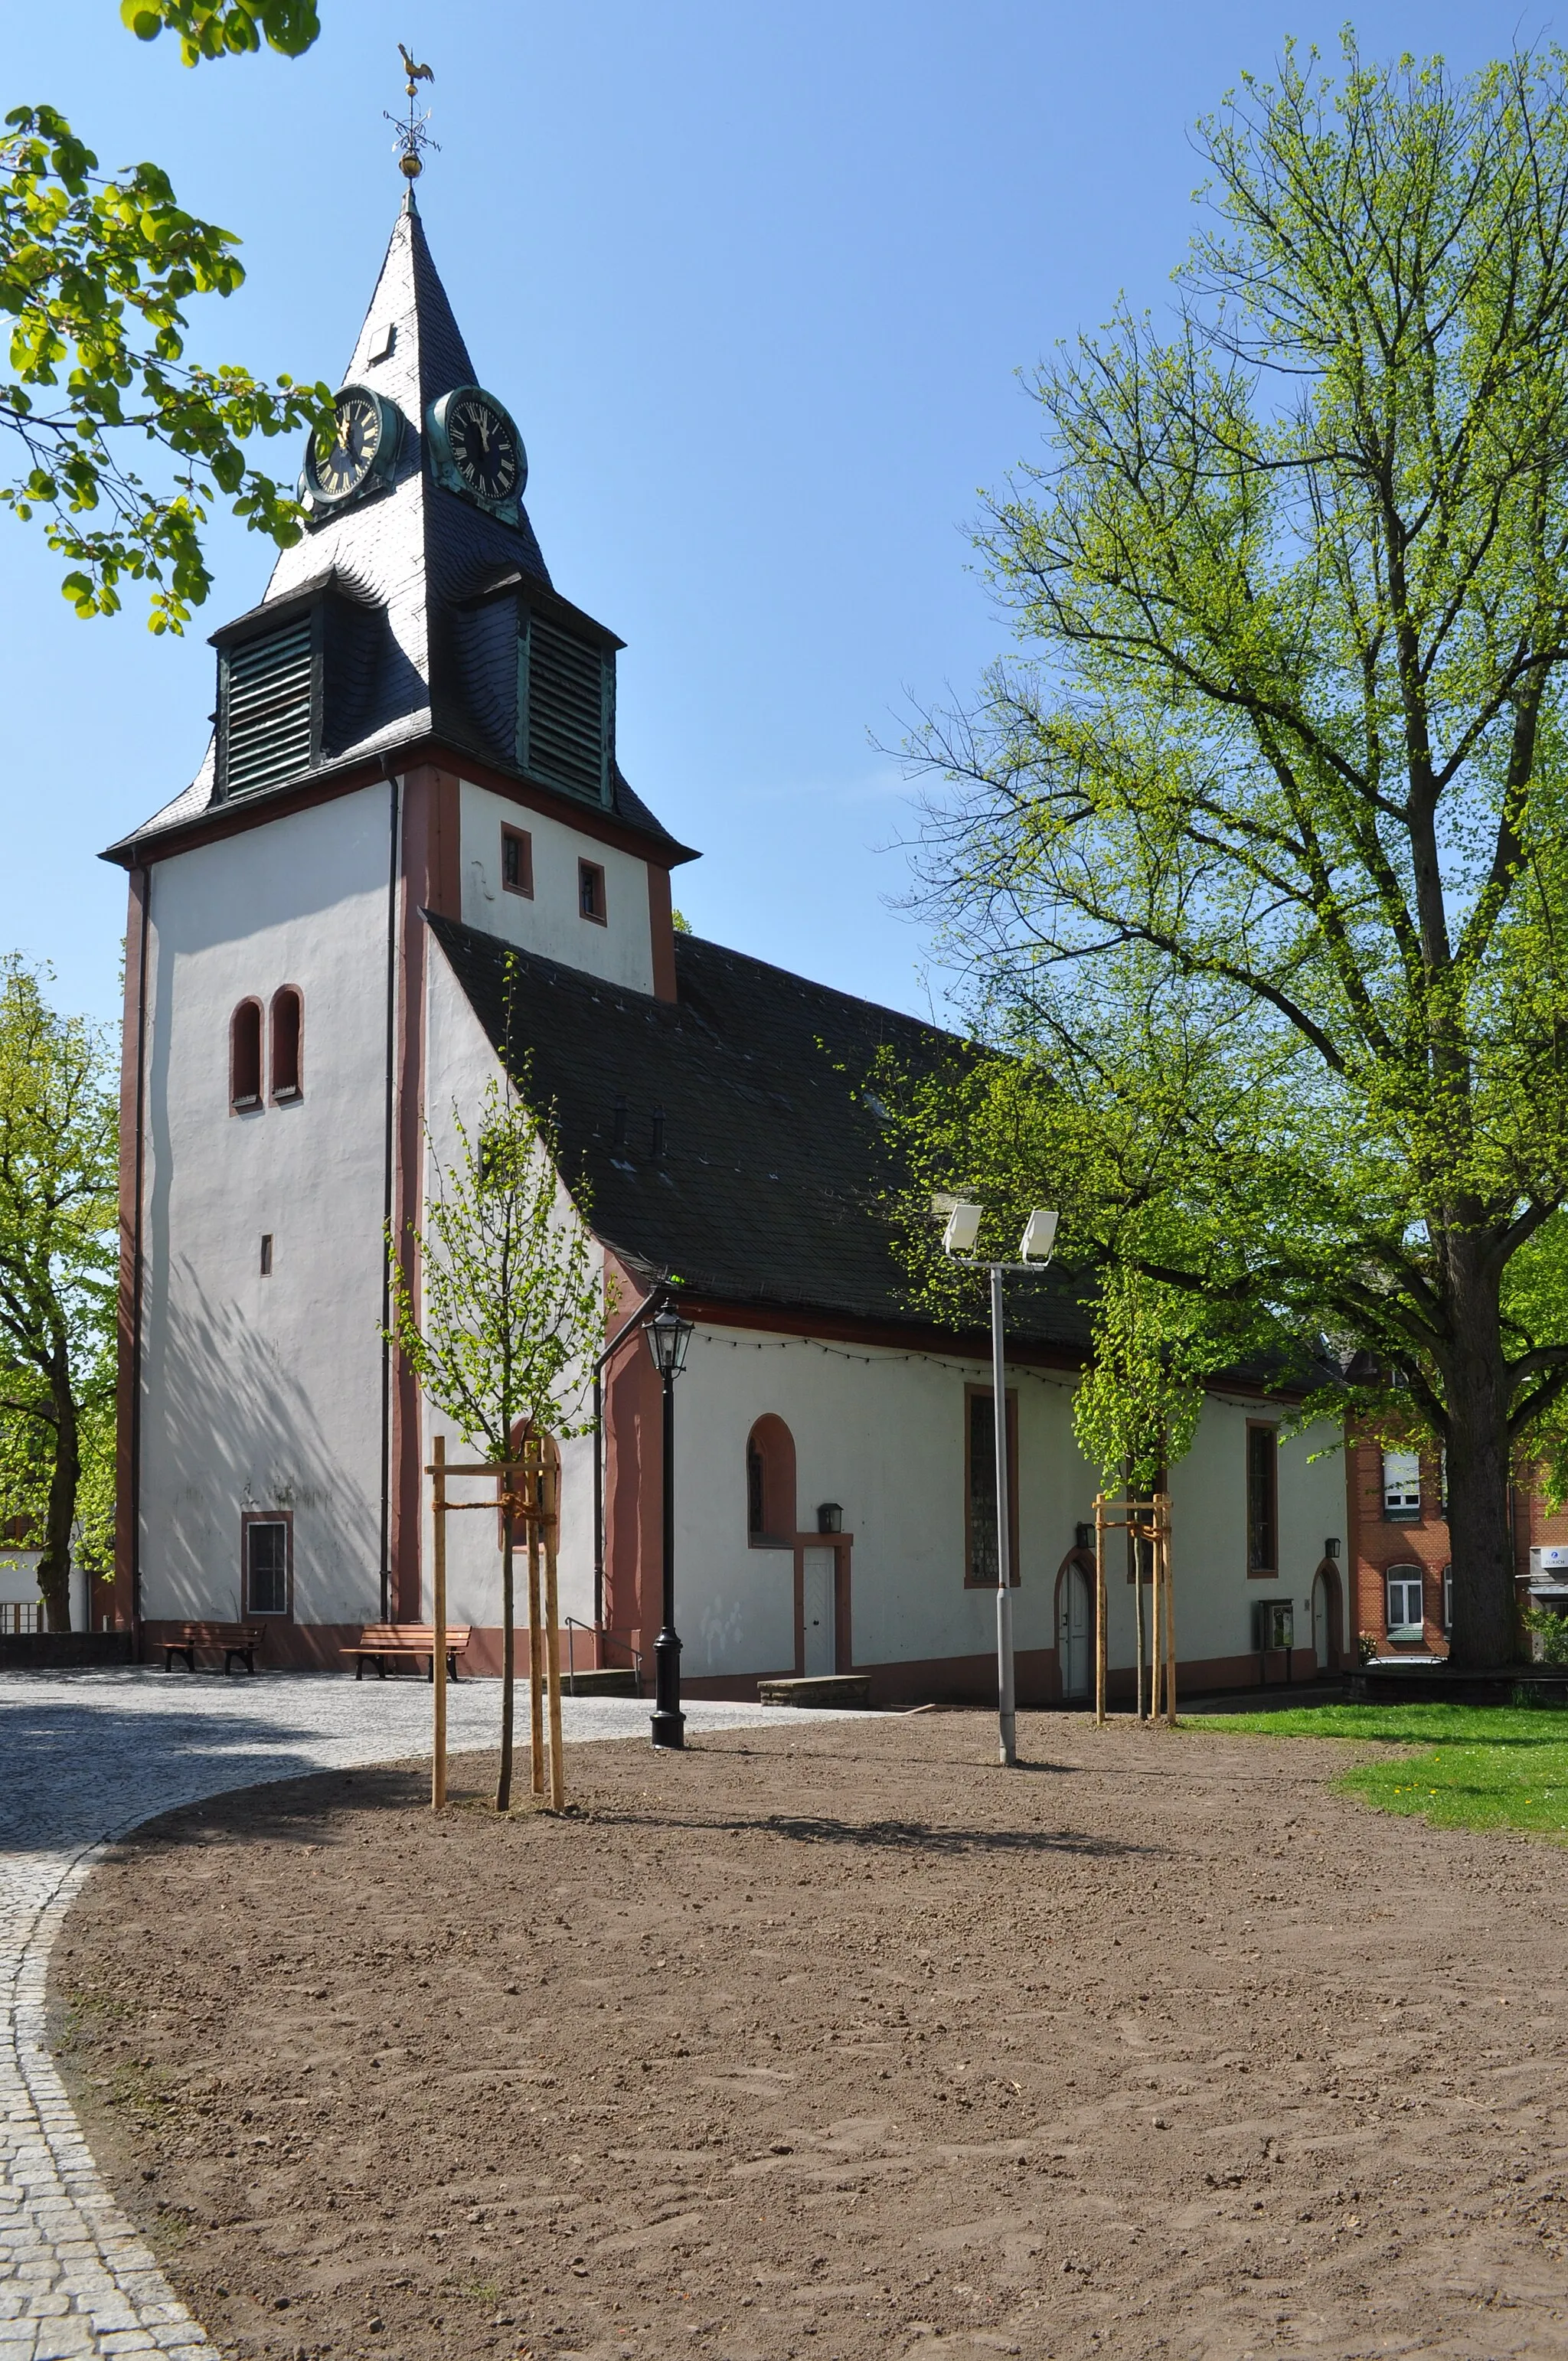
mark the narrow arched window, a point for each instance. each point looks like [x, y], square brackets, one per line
[288, 1025]
[244, 1056]
[770, 1485]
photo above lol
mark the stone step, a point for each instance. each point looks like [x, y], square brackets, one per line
[821, 1688]
[610, 1680]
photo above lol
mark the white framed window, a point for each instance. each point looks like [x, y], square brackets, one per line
[1401, 1484]
[1406, 1613]
[1448, 1598]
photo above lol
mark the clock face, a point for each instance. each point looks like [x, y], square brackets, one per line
[485, 450]
[476, 450]
[341, 462]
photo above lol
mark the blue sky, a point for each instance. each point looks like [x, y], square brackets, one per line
[756, 283]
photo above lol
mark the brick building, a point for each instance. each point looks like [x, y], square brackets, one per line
[1398, 1549]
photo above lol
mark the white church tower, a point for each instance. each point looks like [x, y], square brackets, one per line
[413, 726]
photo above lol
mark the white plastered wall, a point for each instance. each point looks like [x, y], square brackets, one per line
[882, 1434]
[266, 1393]
[550, 921]
[460, 1064]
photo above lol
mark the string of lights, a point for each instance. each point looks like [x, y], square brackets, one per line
[871, 1360]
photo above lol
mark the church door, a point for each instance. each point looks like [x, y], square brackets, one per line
[1073, 1632]
[819, 1599]
[1321, 1643]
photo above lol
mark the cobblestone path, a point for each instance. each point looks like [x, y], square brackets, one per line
[83, 1757]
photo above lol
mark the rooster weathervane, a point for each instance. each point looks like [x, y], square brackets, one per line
[414, 138]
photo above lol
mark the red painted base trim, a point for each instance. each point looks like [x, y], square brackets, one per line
[934, 1680]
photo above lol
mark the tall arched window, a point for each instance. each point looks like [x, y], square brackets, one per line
[770, 1485]
[244, 1056]
[287, 1029]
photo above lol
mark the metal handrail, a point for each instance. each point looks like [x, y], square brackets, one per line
[599, 1632]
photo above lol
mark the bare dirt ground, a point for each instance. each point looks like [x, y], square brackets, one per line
[838, 2040]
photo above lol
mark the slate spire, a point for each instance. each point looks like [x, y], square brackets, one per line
[427, 356]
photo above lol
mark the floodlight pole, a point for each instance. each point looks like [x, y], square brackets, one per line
[1006, 1706]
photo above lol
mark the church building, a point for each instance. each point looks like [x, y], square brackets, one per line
[409, 857]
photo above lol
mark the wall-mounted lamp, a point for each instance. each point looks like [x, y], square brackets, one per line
[1330, 1548]
[829, 1517]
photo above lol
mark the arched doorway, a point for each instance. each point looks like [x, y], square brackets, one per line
[1075, 1625]
[1328, 1641]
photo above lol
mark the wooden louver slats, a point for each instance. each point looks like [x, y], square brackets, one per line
[267, 709]
[565, 724]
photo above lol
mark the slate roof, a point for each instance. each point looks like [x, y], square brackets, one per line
[445, 576]
[766, 1193]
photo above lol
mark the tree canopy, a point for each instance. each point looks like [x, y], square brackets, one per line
[1254, 854]
[96, 272]
[59, 1175]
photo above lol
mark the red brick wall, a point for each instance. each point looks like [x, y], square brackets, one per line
[1375, 1543]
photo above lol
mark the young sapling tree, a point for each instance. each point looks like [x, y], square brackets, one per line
[502, 1324]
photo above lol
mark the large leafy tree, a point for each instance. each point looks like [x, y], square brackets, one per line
[1257, 853]
[97, 273]
[58, 1172]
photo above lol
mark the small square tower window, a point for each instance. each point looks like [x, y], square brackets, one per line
[517, 860]
[590, 891]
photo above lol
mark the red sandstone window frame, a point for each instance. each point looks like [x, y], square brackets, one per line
[245, 1059]
[1265, 1525]
[771, 1503]
[249, 1520]
[591, 903]
[517, 842]
[285, 1060]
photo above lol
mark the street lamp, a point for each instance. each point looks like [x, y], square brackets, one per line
[668, 1337]
[962, 1228]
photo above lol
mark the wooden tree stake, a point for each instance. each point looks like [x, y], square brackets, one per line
[1100, 1610]
[535, 1647]
[551, 1491]
[438, 1603]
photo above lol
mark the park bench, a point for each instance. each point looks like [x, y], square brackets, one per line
[240, 1639]
[385, 1643]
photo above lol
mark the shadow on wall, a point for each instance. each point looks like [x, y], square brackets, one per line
[241, 1433]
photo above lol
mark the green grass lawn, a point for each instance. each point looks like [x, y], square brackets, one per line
[1459, 1766]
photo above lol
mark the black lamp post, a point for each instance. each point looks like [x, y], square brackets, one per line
[668, 1337]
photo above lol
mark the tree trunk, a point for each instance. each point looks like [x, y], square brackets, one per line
[1484, 1629]
[509, 1677]
[54, 1564]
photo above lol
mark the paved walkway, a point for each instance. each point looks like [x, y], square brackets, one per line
[83, 1757]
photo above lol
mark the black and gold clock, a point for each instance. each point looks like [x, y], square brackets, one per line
[476, 450]
[360, 453]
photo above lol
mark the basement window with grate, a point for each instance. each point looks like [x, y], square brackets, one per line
[269, 708]
[565, 708]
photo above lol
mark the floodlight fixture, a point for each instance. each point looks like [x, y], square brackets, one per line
[1040, 1236]
[964, 1228]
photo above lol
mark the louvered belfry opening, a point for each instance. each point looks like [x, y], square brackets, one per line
[565, 687]
[268, 708]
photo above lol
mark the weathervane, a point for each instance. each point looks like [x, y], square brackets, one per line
[412, 136]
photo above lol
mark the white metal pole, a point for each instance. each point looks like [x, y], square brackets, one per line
[1005, 1704]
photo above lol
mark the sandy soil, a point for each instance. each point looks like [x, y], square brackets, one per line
[838, 2040]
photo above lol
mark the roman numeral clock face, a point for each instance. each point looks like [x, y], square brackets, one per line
[357, 451]
[477, 450]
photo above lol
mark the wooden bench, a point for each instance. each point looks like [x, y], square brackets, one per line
[385, 1643]
[240, 1639]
